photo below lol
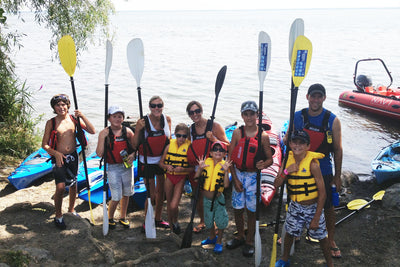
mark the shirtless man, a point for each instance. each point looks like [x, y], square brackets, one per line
[59, 141]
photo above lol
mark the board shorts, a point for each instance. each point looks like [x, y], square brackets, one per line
[247, 198]
[120, 181]
[68, 171]
[152, 169]
[174, 178]
[217, 215]
[299, 216]
[328, 180]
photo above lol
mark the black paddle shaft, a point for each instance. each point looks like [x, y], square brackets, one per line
[259, 150]
[105, 141]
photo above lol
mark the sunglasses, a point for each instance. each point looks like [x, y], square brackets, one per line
[192, 112]
[181, 135]
[156, 105]
[218, 149]
[60, 97]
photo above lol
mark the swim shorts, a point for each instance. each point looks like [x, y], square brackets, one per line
[247, 198]
[68, 171]
[120, 180]
[217, 215]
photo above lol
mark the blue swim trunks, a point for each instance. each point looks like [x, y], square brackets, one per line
[300, 216]
[246, 198]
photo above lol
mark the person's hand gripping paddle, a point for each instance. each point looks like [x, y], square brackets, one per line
[135, 54]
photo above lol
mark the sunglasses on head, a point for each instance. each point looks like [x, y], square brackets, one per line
[156, 105]
[218, 149]
[60, 97]
[192, 112]
[181, 135]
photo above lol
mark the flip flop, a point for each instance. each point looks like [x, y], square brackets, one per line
[334, 252]
[199, 228]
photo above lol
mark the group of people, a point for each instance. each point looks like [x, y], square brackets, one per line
[203, 155]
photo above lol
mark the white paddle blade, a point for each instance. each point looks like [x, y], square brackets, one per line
[149, 222]
[257, 243]
[283, 241]
[135, 53]
[105, 214]
[296, 29]
[109, 54]
[264, 56]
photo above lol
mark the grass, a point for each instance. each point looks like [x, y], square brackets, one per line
[15, 259]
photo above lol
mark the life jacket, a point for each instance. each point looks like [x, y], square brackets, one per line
[118, 144]
[198, 145]
[156, 140]
[301, 184]
[245, 154]
[53, 135]
[177, 156]
[213, 176]
[320, 136]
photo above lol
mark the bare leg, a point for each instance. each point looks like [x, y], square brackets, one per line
[251, 226]
[324, 244]
[169, 190]
[58, 198]
[287, 246]
[72, 197]
[124, 206]
[330, 226]
[239, 220]
[111, 208]
[176, 198]
[159, 196]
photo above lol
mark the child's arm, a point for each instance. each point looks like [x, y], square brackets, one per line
[319, 180]
[86, 124]
[225, 167]
[279, 180]
[163, 166]
[100, 142]
[235, 139]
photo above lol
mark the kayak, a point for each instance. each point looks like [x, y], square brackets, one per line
[378, 99]
[35, 166]
[269, 174]
[386, 165]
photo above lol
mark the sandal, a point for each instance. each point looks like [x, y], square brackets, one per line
[199, 228]
[336, 253]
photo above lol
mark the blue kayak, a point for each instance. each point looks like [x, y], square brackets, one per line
[386, 165]
[35, 166]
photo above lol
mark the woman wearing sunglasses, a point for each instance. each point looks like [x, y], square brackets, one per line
[157, 132]
[174, 162]
[200, 131]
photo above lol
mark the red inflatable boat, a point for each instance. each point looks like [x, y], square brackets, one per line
[380, 100]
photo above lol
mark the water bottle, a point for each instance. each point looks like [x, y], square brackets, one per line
[187, 188]
[124, 155]
[335, 196]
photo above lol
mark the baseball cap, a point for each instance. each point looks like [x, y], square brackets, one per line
[115, 109]
[249, 105]
[301, 135]
[316, 88]
[218, 143]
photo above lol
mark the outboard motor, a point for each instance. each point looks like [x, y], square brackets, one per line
[364, 81]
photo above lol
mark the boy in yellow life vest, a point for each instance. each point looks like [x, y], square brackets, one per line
[176, 166]
[307, 196]
[215, 171]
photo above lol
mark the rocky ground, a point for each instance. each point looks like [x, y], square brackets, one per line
[368, 238]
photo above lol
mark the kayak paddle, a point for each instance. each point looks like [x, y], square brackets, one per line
[296, 29]
[67, 54]
[354, 204]
[187, 236]
[135, 54]
[377, 196]
[109, 53]
[264, 60]
[300, 63]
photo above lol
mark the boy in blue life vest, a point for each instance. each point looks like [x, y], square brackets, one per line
[306, 189]
[215, 172]
[243, 151]
[59, 140]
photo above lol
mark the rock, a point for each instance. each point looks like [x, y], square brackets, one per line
[391, 199]
[348, 178]
[36, 253]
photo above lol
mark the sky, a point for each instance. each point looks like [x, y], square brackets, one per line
[249, 4]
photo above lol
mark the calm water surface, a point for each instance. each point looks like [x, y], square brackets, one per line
[185, 50]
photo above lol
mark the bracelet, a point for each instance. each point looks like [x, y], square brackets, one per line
[285, 171]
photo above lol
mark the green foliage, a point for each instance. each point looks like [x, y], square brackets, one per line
[15, 259]
[79, 18]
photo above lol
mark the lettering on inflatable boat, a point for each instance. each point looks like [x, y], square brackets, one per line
[381, 101]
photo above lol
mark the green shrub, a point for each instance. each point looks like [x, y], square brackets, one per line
[15, 259]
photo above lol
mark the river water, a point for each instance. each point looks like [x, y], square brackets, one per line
[184, 51]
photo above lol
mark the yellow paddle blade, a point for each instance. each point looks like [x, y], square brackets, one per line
[273, 253]
[301, 59]
[379, 195]
[67, 54]
[356, 204]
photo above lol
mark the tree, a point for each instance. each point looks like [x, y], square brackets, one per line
[78, 18]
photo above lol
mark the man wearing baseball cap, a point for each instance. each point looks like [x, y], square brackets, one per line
[324, 130]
